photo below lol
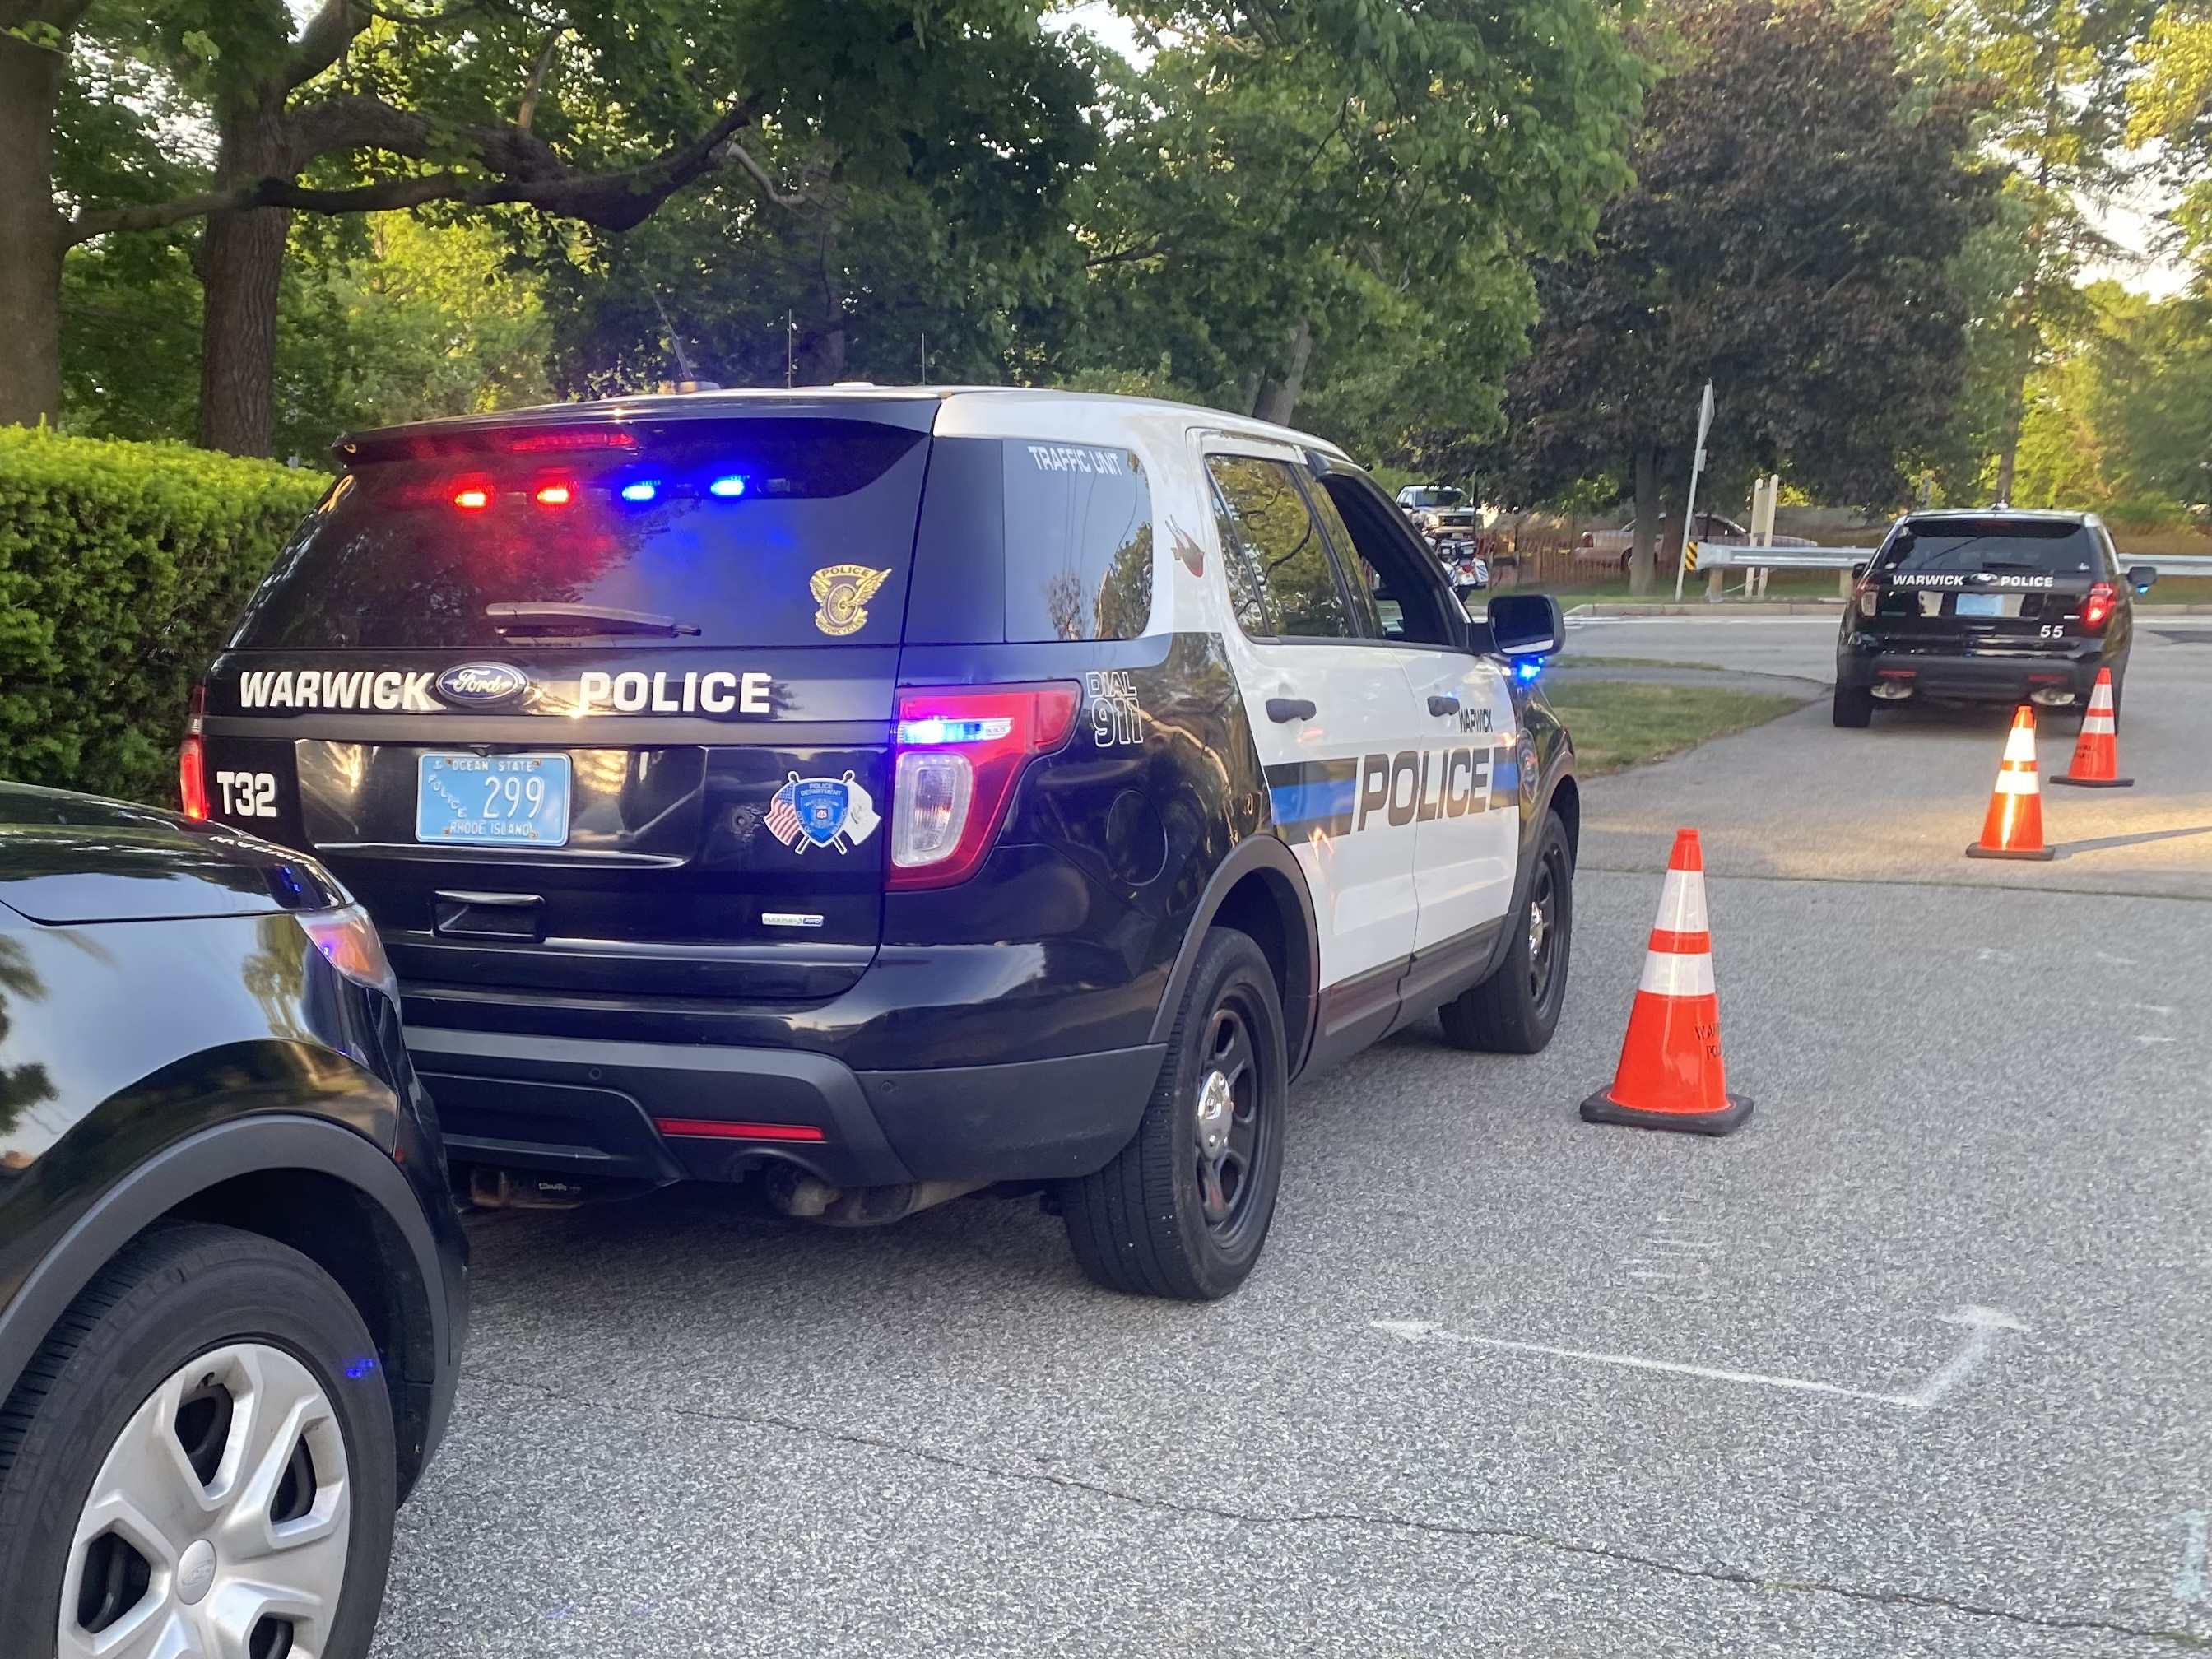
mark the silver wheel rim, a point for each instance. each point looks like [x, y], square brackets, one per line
[218, 1526]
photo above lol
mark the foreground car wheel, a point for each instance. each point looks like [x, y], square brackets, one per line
[199, 1461]
[1184, 1208]
[1854, 706]
[1516, 1009]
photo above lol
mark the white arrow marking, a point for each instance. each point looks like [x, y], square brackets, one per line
[1984, 1327]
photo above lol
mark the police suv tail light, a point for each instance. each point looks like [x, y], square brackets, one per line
[1869, 597]
[960, 752]
[192, 760]
[2097, 606]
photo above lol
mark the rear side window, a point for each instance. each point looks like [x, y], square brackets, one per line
[1078, 542]
[1998, 545]
[1295, 578]
[756, 532]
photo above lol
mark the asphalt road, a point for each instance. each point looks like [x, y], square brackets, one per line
[685, 1428]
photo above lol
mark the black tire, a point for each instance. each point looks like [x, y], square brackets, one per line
[1516, 1009]
[171, 1296]
[1141, 1225]
[1854, 706]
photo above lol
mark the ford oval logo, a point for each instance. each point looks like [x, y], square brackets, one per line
[478, 685]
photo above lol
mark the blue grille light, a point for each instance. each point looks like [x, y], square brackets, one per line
[730, 487]
[643, 491]
[936, 731]
[1528, 668]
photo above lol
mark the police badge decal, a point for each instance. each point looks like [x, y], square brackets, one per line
[841, 593]
[834, 812]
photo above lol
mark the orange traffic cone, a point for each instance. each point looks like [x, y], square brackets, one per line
[2097, 750]
[1670, 1075]
[2014, 829]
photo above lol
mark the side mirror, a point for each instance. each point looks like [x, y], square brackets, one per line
[1859, 567]
[2140, 576]
[1527, 625]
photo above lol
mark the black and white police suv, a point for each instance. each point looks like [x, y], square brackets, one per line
[889, 794]
[1991, 607]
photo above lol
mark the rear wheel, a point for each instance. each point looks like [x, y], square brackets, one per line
[1516, 1009]
[199, 1460]
[1854, 706]
[1183, 1209]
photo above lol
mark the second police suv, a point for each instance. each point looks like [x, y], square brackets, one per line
[886, 794]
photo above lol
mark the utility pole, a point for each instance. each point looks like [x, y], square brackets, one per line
[790, 334]
[925, 356]
[1696, 467]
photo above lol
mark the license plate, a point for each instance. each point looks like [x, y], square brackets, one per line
[492, 800]
[1988, 605]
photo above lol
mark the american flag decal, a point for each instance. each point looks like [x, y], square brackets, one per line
[835, 813]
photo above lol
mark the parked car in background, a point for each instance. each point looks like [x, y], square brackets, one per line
[232, 1285]
[1615, 546]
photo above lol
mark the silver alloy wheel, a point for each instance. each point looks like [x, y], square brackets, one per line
[1539, 925]
[218, 1525]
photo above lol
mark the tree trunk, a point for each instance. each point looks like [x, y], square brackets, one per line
[1641, 562]
[2028, 337]
[32, 234]
[241, 269]
[821, 359]
[1278, 399]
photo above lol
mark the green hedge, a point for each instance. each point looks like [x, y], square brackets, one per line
[123, 566]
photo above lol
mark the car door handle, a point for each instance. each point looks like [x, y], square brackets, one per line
[1446, 704]
[1283, 710]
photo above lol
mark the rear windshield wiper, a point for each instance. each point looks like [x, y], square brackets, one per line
[543, 616]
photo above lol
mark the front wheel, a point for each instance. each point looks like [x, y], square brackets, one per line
[199, 1460]
[1854, 706]
[1184, 1208]
[1516, 1009]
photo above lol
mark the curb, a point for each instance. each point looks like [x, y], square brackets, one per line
[1750, 608]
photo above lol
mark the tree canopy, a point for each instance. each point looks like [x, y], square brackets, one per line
[1799, 197]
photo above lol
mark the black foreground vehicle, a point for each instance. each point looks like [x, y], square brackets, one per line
[1995, 606]
[233, 1283]
[881, 795]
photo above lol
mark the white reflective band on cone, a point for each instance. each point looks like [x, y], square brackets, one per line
[2098, 726]
[2019, 746]
[1682, 903]
[1669, 974]
[2018, 783]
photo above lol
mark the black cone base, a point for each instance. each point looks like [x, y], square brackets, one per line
[1601, 1107]
[2096, 783]
[2039, 854]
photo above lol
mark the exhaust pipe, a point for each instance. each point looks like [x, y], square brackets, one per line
[803, 1198]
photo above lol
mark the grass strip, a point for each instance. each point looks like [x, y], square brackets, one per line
[1617, 724]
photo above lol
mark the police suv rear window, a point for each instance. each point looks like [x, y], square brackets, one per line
[758, 533]
[1078, 542]
[1963, 546]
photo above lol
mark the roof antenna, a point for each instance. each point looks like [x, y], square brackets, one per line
[689, 382]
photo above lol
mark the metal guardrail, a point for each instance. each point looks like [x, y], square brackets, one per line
[2171, 564]
[1717, 556]
[1731, 556]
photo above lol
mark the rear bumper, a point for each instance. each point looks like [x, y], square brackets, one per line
[1993, 676]
[592, 1108]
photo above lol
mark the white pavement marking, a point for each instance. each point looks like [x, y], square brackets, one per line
[2188, 1582]
[2146, 1036]
[1983, 1326]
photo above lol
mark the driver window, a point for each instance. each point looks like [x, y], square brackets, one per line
[1371, 614]
[1406, 595]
